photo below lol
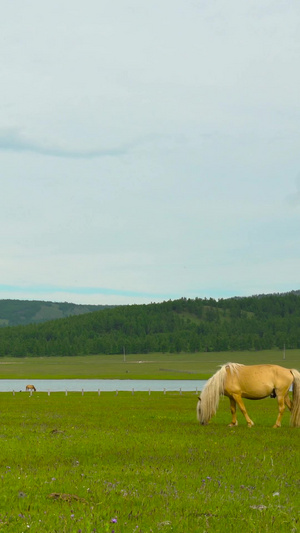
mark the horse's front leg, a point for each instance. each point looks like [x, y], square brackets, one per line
[234, 421]
[239, 401]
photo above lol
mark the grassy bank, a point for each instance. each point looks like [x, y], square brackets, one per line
[124, 463]
[149, 366]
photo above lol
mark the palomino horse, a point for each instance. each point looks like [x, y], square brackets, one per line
[30, 387]
[255, 383]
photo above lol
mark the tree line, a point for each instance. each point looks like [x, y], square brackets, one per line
[184, 325]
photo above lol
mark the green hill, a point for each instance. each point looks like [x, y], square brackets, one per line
[250, 323]
[22, 312]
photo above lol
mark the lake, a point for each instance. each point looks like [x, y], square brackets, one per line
[90, 385]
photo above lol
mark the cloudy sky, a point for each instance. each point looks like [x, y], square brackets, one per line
[149, 150]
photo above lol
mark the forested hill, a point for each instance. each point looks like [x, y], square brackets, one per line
[252, 323]
[21, 312]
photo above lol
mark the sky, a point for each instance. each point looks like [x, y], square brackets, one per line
[149, 150]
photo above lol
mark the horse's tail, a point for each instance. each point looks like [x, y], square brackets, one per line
[209, 399]
[295, 413]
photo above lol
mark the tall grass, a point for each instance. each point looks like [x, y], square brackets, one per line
[141, 463]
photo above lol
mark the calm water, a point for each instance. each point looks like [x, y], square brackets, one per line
[55, 385]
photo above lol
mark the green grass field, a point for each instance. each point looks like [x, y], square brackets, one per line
[141, 463]
[149, 366]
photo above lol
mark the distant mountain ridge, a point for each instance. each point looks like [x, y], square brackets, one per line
[23, 312]
[260, 322]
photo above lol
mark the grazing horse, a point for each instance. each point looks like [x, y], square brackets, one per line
[254, 382]
[30, 388]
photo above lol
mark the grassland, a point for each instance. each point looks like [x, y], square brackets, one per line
[141, 463]
[138, 463]
[149, 366]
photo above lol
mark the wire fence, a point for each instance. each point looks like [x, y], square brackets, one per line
[99, 391]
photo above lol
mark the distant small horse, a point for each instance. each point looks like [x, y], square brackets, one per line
[254, 382]
[30, 388]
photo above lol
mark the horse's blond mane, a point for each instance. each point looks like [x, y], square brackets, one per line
[214, 388]
[233, 367]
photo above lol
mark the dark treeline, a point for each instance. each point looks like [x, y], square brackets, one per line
[250, 323]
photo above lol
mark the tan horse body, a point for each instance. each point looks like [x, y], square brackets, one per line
[254, 382]
[30, 387]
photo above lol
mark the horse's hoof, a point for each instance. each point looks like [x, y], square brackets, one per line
[232, 425]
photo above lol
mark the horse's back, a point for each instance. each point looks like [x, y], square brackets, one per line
[256, 381]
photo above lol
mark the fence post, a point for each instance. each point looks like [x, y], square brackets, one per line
[66, 392]
[48, 392]
[82, 392]
[180, 390]
[149, 392]
[196, 390]
[117, 392]
[99, 392]
[13, 392]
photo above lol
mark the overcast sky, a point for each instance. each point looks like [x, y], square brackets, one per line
[149, 150]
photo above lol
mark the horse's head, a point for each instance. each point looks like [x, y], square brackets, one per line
[200, 414]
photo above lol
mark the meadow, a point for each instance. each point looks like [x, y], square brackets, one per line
[141, 463]
[122, 463]
[141, 366]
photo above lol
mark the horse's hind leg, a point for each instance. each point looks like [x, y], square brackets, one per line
[288, 402]
[283, 399]
[234, 421]
[242, 407]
